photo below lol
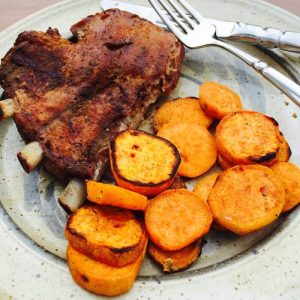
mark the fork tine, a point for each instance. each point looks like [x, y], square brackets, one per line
[181, 12]
[165, 18]
[190, 10]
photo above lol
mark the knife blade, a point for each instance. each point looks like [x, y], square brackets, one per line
[233, 31]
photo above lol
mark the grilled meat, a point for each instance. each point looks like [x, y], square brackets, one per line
[74, 96]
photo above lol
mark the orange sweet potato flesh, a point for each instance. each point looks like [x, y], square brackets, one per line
[196, 145]
[173, 261]
[110, 235]
[205, 185]
[143, 163]
[290, 176]
[246, 198]
[248, 137]
[108, 194]
[175, 111]
[176, 218]
[102, 279]
[217, 100]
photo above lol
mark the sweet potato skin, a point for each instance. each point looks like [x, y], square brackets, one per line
[248, 137]
[217, 100]
[107, 194]
[196, 145]
[290, 176]
[246, 198]
[187, 109]
[164, 165]
[90, 239]
[100, 278]
[173, 261]
[285, 151]
[176, 218]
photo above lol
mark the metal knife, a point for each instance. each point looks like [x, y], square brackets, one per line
[234, 31]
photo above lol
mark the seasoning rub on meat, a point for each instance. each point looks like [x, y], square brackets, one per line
[71, 97]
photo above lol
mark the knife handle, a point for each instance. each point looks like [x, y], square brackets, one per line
[286, 85]
[266, 37]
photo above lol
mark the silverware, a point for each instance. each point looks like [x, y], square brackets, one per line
[195, 32]
[234, 31]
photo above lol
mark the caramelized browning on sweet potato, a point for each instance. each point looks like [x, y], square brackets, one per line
[176, 218]
[173, 261]
[217, 100]
[246, 198]
[285, 151]
[179, 110]
[110, 235]
[100, 278]
[143, 163]
[108, 194]
[196, 145]
[248, 137]
[290, 176]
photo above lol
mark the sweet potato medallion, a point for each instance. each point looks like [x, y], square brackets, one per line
[150, 210]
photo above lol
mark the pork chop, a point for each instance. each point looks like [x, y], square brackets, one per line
[73, 96]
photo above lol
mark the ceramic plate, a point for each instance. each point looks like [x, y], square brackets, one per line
[261, 265]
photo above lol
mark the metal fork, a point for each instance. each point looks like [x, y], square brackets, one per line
[195, 32]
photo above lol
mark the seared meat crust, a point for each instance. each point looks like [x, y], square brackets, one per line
[73, 96]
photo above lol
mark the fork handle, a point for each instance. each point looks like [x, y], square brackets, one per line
[266, 37]
[286, 85]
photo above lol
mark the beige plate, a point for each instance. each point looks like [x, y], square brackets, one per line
[263, 265]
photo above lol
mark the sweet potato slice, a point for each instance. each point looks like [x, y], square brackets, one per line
[102, 279]
[143, 163]
[246, 198]
[217, 100]
[248, 137]
[205, 185]
[224, 163]
[176, 218]
[290, 176]
[181, 109]
[196, 145]
[173, 261]
[285, 151]
[110, 235]
[108, 194]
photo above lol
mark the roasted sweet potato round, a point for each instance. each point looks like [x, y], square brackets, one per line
[108, 194]
[173, 261]
[110, 235]
[217, 100]
[290, 176]
[196, 145]
[246, 198]
[181, 109]
[100, 278]
[176, 218]
[205, 185]
[248, 137]
[143, 163]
